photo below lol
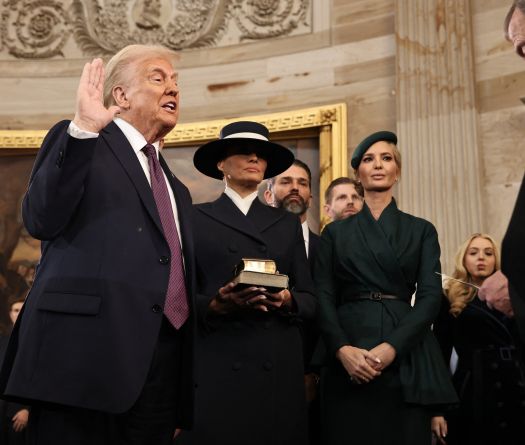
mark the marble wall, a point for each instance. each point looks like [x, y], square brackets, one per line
[329, 51]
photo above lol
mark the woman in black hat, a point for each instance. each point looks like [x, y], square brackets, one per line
[385, 375]
[250, 387]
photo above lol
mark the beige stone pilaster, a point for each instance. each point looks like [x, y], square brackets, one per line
[437, 119]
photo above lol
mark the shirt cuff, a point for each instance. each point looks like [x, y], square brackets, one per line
[78, 133]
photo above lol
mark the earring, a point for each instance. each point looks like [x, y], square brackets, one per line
[229, 176]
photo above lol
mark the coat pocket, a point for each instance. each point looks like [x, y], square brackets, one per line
[69, 303]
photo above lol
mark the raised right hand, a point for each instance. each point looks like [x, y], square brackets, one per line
[354, 360]
[91, 114]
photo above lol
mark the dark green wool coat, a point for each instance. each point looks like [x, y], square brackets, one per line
[395, 255]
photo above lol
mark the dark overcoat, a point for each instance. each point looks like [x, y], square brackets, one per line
[87, 331]
[391, 255]
[513, 260]
[488, 377]
[250, 364]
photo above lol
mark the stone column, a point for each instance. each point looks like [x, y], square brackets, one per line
[437, 119]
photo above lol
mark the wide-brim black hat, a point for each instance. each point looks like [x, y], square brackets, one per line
[246, 137]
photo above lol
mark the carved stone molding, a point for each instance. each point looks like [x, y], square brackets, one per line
[41, 28]
[34, 28]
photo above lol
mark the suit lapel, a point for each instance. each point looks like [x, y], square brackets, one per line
[122, 149]
[183, 207]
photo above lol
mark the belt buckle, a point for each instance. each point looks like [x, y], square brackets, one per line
[505, 353]
[376, 296]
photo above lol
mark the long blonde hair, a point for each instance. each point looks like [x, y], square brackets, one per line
[458, 294]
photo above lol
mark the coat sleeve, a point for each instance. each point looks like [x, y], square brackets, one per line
[444, 330]
[56, 185]
[428, 297]
[326, 291]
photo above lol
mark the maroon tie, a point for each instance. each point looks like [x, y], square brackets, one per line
[176, 304]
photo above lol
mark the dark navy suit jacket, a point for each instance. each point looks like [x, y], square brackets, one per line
[513, 259]
[87, 332]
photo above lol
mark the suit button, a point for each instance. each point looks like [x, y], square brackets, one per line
[499, 404]
[262, 248]
[494, 365]
[267, 365]
[266, 325]
[164, 259]
[156, 308]
[233, 249]
[139, 229]
[503, 425]
[236, 366]
[498, 385]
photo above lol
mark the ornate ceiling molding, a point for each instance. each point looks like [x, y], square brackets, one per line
[32, 29]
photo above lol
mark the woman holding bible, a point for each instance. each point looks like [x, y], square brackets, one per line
[250, 386]
[384, 374]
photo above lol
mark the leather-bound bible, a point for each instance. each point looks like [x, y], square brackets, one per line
[260, 273]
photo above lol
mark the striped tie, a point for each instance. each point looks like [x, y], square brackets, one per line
[176, 304]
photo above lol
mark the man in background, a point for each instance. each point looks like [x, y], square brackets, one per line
[292, 191]
[343, 198]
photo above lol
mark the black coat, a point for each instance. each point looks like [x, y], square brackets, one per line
[513, 259]
[488, 378]
[88, 329]
[250, 365]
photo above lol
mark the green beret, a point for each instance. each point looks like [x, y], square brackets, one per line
[367, 142]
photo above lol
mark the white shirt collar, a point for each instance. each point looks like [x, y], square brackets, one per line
[243, 204]
[135, 137]
[306, 236]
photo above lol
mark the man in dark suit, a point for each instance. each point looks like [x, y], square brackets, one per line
[103, 347]
[505, 290]
[292, 191]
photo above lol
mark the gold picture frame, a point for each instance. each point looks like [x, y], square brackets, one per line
[326, 122]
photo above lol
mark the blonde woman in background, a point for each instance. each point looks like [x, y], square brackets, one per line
[489, 373]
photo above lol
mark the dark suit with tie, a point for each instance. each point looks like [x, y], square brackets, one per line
[250, 365]
[90, 325]
[513, 260]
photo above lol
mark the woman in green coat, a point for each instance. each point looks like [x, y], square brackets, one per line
[385, 375]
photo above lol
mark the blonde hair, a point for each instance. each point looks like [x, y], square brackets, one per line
[119, 68]
[397, 158]
[458, 294]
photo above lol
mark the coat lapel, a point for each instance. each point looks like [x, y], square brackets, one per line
[227, 213]
[377, 242]
[263, 216]
[122, 149]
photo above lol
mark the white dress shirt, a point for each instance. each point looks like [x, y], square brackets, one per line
[243, 204]
[137, 142]
[306, 236]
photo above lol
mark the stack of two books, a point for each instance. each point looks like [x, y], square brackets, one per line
[259, 273]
